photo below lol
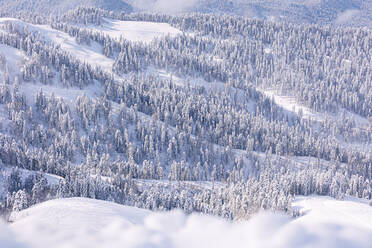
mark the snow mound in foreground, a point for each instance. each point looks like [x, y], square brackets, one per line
[323, 209]
[79, 222]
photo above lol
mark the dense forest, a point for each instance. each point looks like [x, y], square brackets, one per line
[150, 142]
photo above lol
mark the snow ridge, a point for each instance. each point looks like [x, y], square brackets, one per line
[80, 222]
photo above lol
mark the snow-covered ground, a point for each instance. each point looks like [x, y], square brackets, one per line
[93, 53]
[78, 213]
[88, 53]
[14, 59]
[323, 209]
[133, 30]
[80, 222]
[69, 95]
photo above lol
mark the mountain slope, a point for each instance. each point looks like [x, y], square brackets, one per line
[338, 12]
[46, 7]
[106, 113]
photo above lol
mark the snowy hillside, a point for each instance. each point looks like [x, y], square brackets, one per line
[213, 115]
[335, 12]
[80, 222]
[90, 54]
[47, 7]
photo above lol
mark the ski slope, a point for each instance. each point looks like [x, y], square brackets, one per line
[80, 222]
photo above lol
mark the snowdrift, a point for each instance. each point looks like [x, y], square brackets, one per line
[79, 222]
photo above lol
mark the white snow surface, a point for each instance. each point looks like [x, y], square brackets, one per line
[353, 212]
[134, 30]
[13, 57]
[78, 213]
[80, 222]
